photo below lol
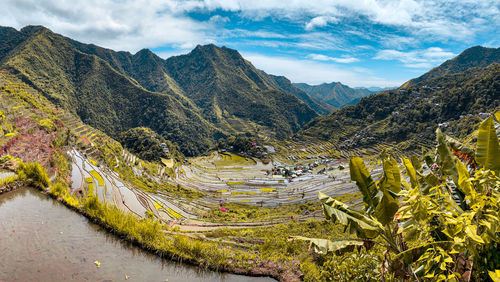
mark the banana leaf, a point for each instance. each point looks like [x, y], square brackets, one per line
[391, 179]
[487, 148]
[446, 160]
[355, 222]
[364, 181]
[411, 172]
[339, 247]
[390, 182]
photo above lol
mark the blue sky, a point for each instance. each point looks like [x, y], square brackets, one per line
[357, 42]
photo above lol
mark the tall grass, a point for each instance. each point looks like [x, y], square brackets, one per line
[8, 180]
[34, 173]
[149, 233]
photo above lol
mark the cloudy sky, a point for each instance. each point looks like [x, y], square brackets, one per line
[357, 42]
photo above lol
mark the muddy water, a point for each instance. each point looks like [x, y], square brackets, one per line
[42, 240]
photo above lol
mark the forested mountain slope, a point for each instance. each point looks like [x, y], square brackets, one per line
[191, 100]
[412, 112]
[476, 56]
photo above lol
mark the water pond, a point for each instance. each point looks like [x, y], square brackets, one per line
[42, 240]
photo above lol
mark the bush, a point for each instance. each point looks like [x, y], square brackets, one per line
[47, 124]
[36, 174]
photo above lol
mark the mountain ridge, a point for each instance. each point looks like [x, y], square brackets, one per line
[217, 90]
[335, 94]
[476, 56]
[409, 115]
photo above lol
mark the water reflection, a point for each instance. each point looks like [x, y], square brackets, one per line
[44, 241]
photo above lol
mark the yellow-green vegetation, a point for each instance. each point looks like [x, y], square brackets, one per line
[243, 212]
[47, 124]
[150, 233]
[34, 174]
[7, 180]
[90, 185]
[230, 159]
[93, 162]
[96, 175]
[442, 226]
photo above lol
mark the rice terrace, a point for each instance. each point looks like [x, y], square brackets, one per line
[193, 161]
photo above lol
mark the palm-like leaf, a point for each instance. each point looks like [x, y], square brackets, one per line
[356, 222]
[487, 148]
[339, 247]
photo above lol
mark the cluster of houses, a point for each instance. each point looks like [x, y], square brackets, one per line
[292, 171]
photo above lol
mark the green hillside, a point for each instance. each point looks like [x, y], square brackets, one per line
[410, 115]
[192, 76]
[191, 100]
[102, 97]
[225, 86]
[476, 56]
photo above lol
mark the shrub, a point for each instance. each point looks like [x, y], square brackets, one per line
[36, 174]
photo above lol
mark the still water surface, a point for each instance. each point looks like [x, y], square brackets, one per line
[42, 240]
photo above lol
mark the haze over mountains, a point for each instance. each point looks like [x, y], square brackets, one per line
[213, 92]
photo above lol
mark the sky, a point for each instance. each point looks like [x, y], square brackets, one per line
[361, 43]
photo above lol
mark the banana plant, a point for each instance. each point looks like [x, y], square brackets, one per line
[381, 203]
[488, 148]
[449, 215]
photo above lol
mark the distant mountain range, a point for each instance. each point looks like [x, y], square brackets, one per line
[451, 94]
[335, 94]
[376, 89]
[192, 99]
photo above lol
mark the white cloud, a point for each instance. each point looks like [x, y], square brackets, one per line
[342, 60]
[133, 24]
[217, 19]
[320, 21]
[456, 19]
[416, 59]
[314, 72]
[122, 25]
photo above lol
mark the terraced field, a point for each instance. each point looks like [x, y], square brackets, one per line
[222, 178]
[250, 182]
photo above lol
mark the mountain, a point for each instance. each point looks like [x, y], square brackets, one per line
[476, 56]
[375, 89]
[191, 100]
[220, 84]
[231, 91]
[335, 94]
[410, 114]
[286, 85]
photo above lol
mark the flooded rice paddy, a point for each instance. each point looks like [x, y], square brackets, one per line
[42, 240]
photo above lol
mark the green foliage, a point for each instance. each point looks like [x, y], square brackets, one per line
[35, 174]
[47, 124]
[7, 180]
[412, 113]
[488, 148]
[355, 266]
[146, 144]
[448, 220]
